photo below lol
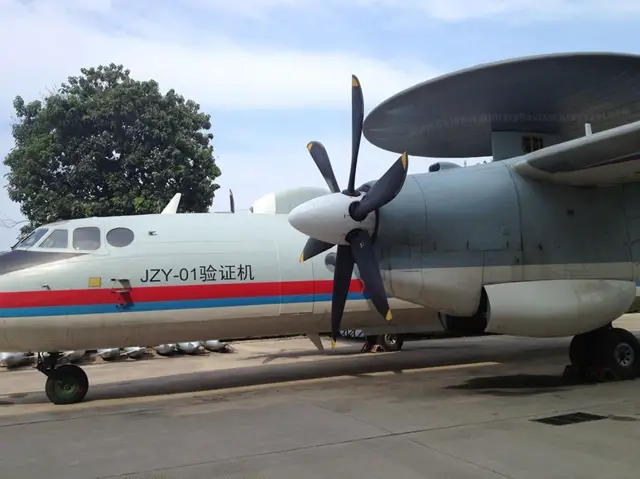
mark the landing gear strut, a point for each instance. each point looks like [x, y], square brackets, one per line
[604, 354]
[66, 384]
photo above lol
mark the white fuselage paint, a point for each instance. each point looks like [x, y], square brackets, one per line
[93, 331]
[272, 247]
[267, 242]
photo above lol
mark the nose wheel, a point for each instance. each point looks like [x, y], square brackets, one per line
[66, 384]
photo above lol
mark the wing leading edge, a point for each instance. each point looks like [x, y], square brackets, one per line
[600, 159]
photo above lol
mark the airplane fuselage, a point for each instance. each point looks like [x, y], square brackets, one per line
[183, 277]
[477, 244]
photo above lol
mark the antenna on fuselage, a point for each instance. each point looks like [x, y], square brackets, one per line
[587, 129]
[172, 206]
[232, 203]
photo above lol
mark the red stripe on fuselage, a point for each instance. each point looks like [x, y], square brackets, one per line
[142, 294]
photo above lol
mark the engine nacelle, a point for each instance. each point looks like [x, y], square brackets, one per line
[466, 325]
[556, 308]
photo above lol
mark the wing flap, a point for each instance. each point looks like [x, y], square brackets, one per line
[599, 159]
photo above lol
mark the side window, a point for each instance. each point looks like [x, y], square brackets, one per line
[120, 237]
[57, 239]
[87, 238]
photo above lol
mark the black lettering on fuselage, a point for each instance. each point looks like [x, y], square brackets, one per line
[155, 275]
[166, 273]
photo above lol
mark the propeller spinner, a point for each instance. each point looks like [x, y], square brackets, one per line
[347, 219]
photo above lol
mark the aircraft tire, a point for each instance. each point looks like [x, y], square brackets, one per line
[580, 350]
[67, 384]
[390, 342]
[619, 351]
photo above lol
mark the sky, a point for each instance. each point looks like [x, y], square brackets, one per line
[275, 74]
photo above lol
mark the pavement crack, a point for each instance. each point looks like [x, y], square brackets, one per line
[385, 435]
[356, 419]
[463, 459]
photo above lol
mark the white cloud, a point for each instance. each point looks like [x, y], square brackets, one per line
[270, 173]
[445, 10]
[47, 41]
[515, 10]
[216, 71]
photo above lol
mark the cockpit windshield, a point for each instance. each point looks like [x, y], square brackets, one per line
[59, 238]
[32, 238]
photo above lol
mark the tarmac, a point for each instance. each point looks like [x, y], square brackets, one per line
[480, 407]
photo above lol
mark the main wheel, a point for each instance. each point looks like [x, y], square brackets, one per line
[581, 350]
[620, 352]
[67, 384]
[391, 342]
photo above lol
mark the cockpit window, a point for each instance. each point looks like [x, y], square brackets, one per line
[57, 239]
[32, 239]
[87, 238]
[120, 237]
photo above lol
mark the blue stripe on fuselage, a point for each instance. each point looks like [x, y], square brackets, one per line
[168, 305]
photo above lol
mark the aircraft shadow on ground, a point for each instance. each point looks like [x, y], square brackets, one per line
[349, 364]
[293, 354]
[515, 384]
[354, 349]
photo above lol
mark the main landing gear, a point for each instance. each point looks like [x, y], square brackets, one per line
[383, 343]
[66, 383]
[604, 354]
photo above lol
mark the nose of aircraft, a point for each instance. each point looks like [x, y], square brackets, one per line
[14, 260]
[327, 218]
[17, 260]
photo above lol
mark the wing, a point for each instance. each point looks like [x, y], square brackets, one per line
[601, 159]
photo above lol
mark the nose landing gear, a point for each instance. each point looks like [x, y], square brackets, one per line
[66, 384]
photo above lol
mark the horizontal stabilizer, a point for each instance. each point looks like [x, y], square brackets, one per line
[598, 159]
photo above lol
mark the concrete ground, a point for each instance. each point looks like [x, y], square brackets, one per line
[458, 408]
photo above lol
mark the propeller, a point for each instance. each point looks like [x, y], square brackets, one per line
[348, 219]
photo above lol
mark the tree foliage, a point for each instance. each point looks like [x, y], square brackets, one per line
[104, 144]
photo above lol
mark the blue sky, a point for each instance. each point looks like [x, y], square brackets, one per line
[275, 74]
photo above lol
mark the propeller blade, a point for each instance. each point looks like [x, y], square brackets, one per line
[383, 190]
[330, 260]
[365, 258]
[314, 247]
[341, 283]
[357, 118]
[232, 203]
[321, 158]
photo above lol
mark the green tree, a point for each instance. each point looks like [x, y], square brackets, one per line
[105, 144]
